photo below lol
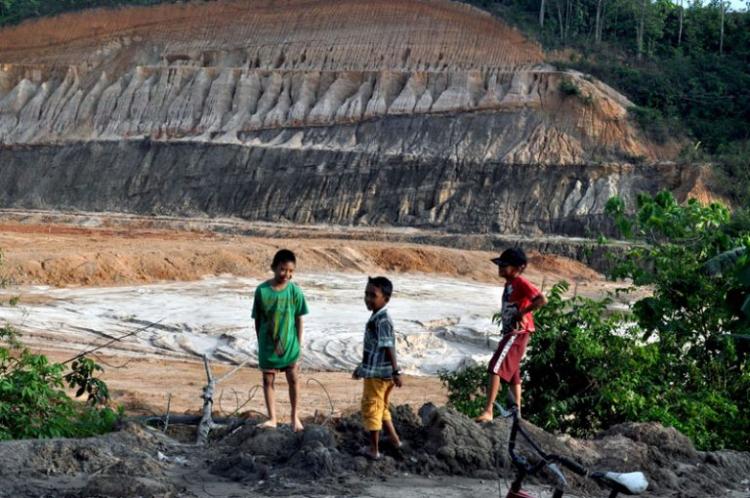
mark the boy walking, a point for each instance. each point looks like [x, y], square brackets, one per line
[520, 298]
[278, 308]
[379, 368]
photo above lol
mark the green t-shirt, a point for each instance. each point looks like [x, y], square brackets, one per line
[278, 346]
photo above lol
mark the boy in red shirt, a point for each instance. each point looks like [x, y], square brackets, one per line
[520, 298]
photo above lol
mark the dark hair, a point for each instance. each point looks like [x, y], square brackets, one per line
[382, 283]
[283, 256]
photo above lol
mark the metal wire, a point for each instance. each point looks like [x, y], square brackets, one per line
[330, 400]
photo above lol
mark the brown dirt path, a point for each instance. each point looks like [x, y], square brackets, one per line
[143, 387]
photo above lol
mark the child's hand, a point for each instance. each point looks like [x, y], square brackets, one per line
[355, 374]
[397, 380]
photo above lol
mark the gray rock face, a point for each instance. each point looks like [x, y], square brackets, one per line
[280, 184]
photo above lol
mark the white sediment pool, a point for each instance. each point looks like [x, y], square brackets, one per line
[440, 322]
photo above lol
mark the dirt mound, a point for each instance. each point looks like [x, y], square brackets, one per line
[121, 464]
[323, 459]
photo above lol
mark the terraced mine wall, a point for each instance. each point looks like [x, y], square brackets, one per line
[322, 186]
[405, 113]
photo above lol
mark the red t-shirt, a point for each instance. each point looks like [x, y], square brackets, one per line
[518, 294]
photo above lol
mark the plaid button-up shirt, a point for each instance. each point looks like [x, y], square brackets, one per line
[379, 337]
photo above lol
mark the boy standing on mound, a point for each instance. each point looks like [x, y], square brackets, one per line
[379, 368]
[278, 308]
[520, 298]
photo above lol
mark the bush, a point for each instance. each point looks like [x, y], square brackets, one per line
[651, 121]
[733, 171]
[583, 372]
[586, 366]
[569, 88]
[33, 403]
[467, 389]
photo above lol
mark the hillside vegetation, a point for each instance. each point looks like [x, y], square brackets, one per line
[686, 65]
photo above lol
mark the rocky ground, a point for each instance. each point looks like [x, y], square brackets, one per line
[447, 454]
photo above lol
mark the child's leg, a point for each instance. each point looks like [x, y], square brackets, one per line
[270, 396]
[387, 423]
[515, 389]
[292, 378]
[374, 444]
[372, 413]
[492, 390]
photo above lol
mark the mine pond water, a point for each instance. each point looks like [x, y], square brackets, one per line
[441, 323]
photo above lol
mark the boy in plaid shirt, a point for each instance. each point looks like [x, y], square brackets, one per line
[379, 368]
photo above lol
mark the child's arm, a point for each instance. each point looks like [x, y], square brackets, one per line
[387, 340]
[299, 325]
[396, 372]
[299, 312]
[537, 303]
[256, 312]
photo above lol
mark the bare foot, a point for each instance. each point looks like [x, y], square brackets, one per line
[297, 425]
[268, 424]
[484, 417]
[369, 453]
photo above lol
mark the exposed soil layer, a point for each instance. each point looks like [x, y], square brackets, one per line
[66, 255]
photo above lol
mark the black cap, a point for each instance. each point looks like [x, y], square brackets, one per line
[511, 257]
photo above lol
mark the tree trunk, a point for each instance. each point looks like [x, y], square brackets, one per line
[541, 14]
[598, 25]
[722, 6]
[560, 20]
[206, 423]
[640, 29]
[682, 16]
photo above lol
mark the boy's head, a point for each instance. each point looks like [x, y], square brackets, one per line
[511, 263]
[377, 293]
[283, 265]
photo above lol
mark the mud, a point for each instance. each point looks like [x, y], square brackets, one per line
[441, 446]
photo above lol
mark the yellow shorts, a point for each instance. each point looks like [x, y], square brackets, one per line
[375, 403]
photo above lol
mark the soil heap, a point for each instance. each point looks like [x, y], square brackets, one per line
[138, 461]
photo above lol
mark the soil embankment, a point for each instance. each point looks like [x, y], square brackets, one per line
[323, 460]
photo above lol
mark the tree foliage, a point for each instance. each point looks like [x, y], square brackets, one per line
[685, 78]
[33, 401]
[692, 318]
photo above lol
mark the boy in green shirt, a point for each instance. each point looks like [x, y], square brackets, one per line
[278, 308]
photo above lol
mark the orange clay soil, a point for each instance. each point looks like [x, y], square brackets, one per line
[347, 34]
[63, 255]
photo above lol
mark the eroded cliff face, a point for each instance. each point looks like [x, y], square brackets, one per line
[418, 112]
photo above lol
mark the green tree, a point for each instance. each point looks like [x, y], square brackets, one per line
[703, 370]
